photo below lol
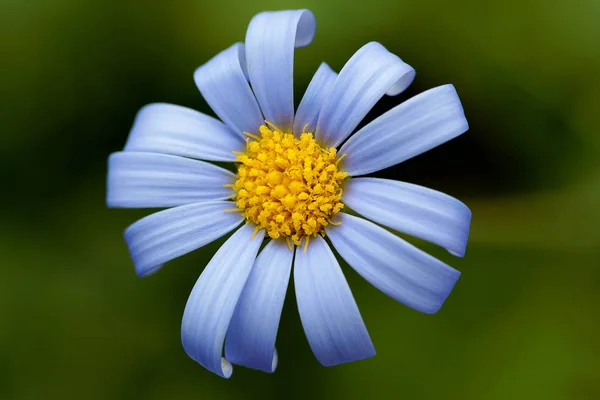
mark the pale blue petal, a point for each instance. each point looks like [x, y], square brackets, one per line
[171, 233]
[416, 210]
[392, 265]
[270, 42]
[158, 180]
[369, 74]
[314, 97]
[253, 329]
[331, 320]
[224, 85]
[212, 301]
[170, 129]
[409, 129]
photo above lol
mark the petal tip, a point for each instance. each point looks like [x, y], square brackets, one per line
[367, 353]
[456, 253]
[307, 26]
[226, 368]
[275, 361]
[435, 307]
[405, 80]
[325, 66]
[144, 271]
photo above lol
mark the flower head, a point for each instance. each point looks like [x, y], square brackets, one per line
[290, 187]
[296, 187]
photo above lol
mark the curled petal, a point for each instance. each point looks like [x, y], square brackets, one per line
[270, 42]
[212, 301]
[168, 234]
[409, 129]
[253, 329]
[331, 320]
[224, 85]
[392, 265]
[416, 210]
[369, 74]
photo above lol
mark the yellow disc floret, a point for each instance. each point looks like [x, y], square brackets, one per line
[289, 186]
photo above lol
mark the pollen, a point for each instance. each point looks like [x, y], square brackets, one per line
[291, 187]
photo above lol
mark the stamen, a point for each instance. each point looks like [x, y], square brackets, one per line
[272, 126]
[340, 159]
[304, 128]
[228, 185]
[255, 232]
[289, 186]
[306, 243]
[233, 210]
[253, 136]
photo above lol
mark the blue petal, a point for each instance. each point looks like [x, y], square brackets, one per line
[160, 180]
[253, 329]
[369, 74]
[409, 129]
[331, 320]
[412, 209]
[314, 97]
[224, 85]
[211, 304]
[171, 233]
[270, 42]
[170, 129]
[392, 265]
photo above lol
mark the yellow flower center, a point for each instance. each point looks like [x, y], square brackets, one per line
[289, 186]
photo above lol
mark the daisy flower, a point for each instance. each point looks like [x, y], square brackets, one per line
[297, 190]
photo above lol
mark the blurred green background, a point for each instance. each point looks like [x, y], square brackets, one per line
[75, 321]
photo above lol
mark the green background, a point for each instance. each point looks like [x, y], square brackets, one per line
[75, 321]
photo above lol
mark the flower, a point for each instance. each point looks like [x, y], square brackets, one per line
[295, 186]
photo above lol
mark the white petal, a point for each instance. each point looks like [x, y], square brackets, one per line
[211, 304]
[160, 180]
[224, 85]
[314, 97]
[253, 329]
[171, 233]
[170, 129]
[331, 320]
[270, 42]
[392, 265]
[369, 74]
[416, 210]
[409, 129]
